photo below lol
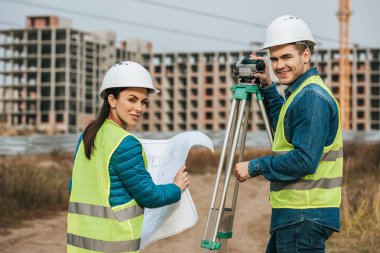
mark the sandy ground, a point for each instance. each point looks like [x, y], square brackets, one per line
[250, 232]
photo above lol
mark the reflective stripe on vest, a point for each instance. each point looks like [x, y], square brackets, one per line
[319, 190]
[302, 184]
[92, 224]
[331, 155]
[105, 212]
[102, 246]
[323, 183]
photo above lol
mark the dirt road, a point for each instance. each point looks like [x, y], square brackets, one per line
[250, 232]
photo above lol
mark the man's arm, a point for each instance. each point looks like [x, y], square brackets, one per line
[309, 118]
[273, 102]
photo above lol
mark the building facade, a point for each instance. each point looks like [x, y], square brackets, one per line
[364, 80]
[196, 91]
[50, 76]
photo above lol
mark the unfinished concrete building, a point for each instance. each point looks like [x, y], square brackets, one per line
[196, 89]
[50, 76]
[365, 83]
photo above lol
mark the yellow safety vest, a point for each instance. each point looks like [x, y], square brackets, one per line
[93, 225]
[319, 190]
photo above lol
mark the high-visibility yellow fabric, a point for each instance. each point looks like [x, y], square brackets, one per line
[319, 190]
[90, 191]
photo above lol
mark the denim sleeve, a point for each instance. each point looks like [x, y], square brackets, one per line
[309, 117]
[273, 102]
[129, 164]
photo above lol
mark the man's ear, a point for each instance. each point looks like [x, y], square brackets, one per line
[112, 101]
[306, 55]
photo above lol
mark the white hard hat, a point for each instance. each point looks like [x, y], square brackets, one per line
[287, 29]
[127, 74]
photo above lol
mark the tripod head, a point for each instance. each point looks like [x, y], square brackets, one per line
[245, 68]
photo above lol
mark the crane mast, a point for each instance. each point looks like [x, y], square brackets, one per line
[344, 63]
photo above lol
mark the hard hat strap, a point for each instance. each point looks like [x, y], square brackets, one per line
[310, 47]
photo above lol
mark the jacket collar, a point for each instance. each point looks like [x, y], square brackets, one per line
[297, 83]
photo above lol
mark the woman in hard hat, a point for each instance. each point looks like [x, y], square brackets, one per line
[306, 170]
[110, 183]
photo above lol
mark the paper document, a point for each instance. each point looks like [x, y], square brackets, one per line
[165, 158]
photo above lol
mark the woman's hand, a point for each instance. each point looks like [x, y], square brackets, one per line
[181, 179]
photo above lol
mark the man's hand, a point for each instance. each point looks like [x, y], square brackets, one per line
[264, 77]
[241, 171]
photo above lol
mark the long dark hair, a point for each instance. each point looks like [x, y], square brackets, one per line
[92, 129]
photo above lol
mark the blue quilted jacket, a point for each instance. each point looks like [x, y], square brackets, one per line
[130, 179]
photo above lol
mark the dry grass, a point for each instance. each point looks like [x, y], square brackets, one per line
[31, 186]
[360, 201]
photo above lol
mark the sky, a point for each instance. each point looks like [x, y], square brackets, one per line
[201, 25]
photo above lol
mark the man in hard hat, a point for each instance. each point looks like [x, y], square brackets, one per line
[305, 169]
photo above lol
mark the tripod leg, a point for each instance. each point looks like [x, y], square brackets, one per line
[228, 216]
[266, 121]
[229, 166]
[241, 153]
[230, 125]
[213, 212]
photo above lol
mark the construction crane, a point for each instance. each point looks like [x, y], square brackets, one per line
[344, 63]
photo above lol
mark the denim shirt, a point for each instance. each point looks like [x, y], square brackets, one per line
[310, 124]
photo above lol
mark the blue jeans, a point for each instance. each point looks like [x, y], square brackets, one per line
[304, 236]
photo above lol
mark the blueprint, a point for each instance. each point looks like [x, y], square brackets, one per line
[165, 158]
